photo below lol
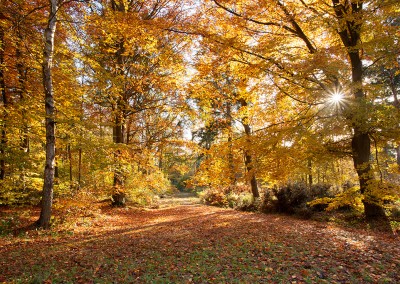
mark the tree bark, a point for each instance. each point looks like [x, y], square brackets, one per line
[350, 32]
[69, 152]
[248, 159]
[79, 167]
[3, 140]
[231, 165]
[47, 195]
[310, 177]
[22, 79]
[118, 196]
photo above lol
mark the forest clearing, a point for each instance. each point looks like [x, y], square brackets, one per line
[186, 242]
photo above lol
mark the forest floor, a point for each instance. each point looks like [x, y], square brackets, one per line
[185, 242]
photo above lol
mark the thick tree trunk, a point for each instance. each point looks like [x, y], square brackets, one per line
[350, 33]
[361, 145]
[3, 139]
[118, 196]
[47, 196]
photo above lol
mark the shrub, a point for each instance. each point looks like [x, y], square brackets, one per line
[142, 189]
[214, 197]
[268, 202]
[13, 192]
[293, 198]
[290, 197]
[242, 201]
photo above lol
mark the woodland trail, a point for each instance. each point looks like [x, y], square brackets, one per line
[185, 242]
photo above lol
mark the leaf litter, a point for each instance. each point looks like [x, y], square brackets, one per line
[193, 243]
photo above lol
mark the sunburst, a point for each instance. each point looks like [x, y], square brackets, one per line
[336, 98]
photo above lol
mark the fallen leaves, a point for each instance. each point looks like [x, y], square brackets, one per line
[200, 244]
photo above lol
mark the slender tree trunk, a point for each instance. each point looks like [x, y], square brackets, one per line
[56, 172]
[79, 167]
[3, 139]
[248, 159]
[231, 165]
[22, 79]
[80, 139]
[310, 177]
[47, 196]
[160, 158]
[70, 166]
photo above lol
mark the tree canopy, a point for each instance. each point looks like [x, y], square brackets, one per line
[130, 99]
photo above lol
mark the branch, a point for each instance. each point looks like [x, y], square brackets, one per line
[253, 20]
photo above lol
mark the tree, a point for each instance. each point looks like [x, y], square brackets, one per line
[304, 65]
[4, 101]
[223, 95]
[20, 79]
[136, 74]
[48, 52]
[350, 18]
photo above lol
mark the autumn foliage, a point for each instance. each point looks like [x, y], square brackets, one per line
[129, 100]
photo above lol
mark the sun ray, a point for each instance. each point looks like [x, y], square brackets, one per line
[336, 97]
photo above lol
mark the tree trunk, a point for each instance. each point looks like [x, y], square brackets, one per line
[3, 140]
[248, 159]
[47, 196]
[350, 33]
[231, 165]
[398, 156]
[71, 186]
[310, 177]
[22, 79]
[79, 167]
[160, 158]
[253, 180]
[118, 196]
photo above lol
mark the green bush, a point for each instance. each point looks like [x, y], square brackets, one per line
[14, 192]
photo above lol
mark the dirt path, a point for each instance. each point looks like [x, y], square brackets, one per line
[184, 242]
[180, 198]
